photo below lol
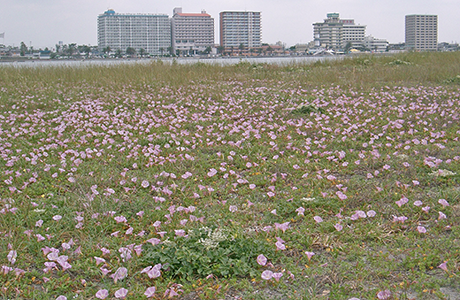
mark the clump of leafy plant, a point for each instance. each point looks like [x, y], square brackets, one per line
[399, 62]
[453, 80]
[207, 251]
[307, 109]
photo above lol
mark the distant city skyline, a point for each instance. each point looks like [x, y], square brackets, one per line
[46, 22]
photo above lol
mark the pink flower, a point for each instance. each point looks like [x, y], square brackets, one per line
[155, 272]
[383, 295]
[270, 194]
[341, 195]
[119, 274]
[280, 246]
[318, 219]
[180, 232]
[309, 254]
[300, 211]
[418, 203]
[443, 202]
[233, 208]
[283, 226]
[154, 241]
[443, 266]
[102, 294]
[120, 219]
[371, 214]
[277, 276]
[402, 201]
[149, 292]
[121, 293]
[145, 184]
[261, 260]
[267, 275]
[12, 256]
[442, 216]
[57, 217]
[338, 227]
[421, 229]
[61, 298]
[212, 172]
[252, 186]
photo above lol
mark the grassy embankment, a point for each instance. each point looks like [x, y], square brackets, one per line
[343, 174]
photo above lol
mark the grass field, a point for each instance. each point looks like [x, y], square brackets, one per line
[332, 180]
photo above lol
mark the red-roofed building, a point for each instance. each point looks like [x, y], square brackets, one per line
[191, 32]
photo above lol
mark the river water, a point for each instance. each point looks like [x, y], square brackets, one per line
[279, 60]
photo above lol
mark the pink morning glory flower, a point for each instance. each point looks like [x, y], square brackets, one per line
[267, 275]
[442, 216]
[402, 201]
[318, 219]
[443, 266]
[421, 229]
[277, 276]
[309, 254]
[119, 274]
[443, 202]
[300, 211]
[341, 195]
[261, 260]
[121, 293]
[383, 295]
[280, 246]
[371, 214]
[102, 294]
[150, 292]
[338, 227]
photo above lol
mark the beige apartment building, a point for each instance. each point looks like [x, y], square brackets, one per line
[191, 32]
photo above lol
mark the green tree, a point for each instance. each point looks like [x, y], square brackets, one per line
[71, 49]
[142, 52]
[23, 49]
[118, 53]
[348, 46]
[208, 50]
[130, 51]
[221, 49]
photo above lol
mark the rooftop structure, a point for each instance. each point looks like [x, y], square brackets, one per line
[150, 32]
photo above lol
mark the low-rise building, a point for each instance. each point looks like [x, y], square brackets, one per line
[375, 45]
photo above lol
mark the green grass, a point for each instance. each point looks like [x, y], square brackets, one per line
[128, 153]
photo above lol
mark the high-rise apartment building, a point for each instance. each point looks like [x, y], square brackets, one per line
[150, 32]
[191, 31]
[240, 28]
[422, 32]
[335, 33]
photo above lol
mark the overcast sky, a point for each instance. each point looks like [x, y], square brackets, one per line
[43, 23]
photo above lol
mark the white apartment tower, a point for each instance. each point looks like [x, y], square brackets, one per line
[240, 28]
[422, 32]
[151, 32]
[335, 33]
[191, 32]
